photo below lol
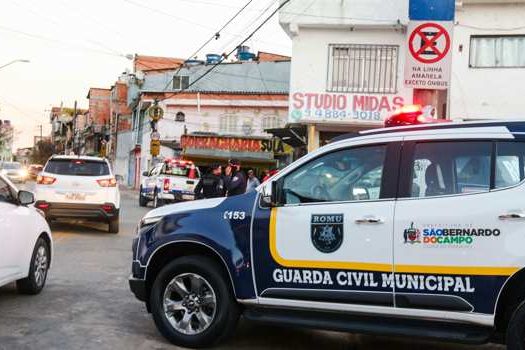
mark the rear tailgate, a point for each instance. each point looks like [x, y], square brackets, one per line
[182, 184]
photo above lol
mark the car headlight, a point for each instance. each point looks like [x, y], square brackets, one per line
[149, 221]
[22, 173]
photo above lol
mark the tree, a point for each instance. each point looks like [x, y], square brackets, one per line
[42, 152]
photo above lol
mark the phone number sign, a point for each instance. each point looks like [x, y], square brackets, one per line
[350, 108]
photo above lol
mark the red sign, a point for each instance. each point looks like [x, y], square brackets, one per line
[221, 143]
[429, 43]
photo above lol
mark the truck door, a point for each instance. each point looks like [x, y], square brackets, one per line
[330, 238]
[459, 228]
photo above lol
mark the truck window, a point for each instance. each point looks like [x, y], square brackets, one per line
[510, 167]
[347, 175]
[444, 168]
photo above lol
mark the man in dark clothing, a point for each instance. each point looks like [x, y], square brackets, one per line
[211, 185]
[235, 179]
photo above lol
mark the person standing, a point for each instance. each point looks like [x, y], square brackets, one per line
[252, 182]
[211, 185]
[235, 180]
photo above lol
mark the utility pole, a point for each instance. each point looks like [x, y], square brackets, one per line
[73, 144]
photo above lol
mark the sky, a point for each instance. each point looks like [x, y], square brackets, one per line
[74, 45]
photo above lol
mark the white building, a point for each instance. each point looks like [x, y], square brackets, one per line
[349, 57]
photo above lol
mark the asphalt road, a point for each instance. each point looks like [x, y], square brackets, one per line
[87, 304]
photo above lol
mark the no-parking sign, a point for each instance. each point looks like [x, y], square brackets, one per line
[429, 54]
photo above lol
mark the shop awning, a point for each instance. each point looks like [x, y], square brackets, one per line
[294, 136]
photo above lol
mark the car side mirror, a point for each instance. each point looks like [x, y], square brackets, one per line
[270, 196]
[25, 197]
[145, 174]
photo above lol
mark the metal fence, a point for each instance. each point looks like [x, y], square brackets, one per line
[362, 68]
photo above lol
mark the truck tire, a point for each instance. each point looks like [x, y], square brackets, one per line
[35, 281]
[143, 201]
[515, 337]
[157, 202]
[193, 304]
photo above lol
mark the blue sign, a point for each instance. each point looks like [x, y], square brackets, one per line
[435, 10]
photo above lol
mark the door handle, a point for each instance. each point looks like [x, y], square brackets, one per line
[369, 220]
[512, 216]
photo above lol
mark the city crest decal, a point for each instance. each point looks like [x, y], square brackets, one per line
[327, 232]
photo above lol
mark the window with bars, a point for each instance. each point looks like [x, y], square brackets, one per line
[362, 68]
[228, 124]
[271, 122]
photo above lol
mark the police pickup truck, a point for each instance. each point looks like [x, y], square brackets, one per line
[416, 231]
[170, 181]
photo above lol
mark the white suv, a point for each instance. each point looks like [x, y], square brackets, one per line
[79, 187]
[25, 252]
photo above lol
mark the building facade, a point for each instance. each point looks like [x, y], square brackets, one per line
[6, 140]
[349, 56]
[235, 101]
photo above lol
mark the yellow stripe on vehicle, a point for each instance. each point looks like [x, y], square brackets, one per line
[380, 267]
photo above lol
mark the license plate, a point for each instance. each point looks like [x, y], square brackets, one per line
[74, 196]
[187, 196]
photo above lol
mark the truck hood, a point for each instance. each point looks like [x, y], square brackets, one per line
[185, 206]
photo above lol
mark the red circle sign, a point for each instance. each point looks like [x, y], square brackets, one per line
[434, 43]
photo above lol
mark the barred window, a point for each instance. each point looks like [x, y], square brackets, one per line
[362, 68]
[228, 124]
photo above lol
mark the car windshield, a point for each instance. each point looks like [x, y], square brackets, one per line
[11, 166]
[77, 167]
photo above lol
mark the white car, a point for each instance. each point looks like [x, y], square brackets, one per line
[79, 187]
[14, 171]
[25, 252]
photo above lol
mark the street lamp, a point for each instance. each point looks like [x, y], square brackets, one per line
[14, 61]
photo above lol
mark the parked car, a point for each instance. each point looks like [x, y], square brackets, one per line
[411, 231]
[34, 170]
[14, 171]
[79, 187]
[27, 245]
[170, 181]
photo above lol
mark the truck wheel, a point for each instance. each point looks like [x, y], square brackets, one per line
[192, 303]
[38, 268]
[157, 202]
[114, 225]
[516, 329]
[143, 201]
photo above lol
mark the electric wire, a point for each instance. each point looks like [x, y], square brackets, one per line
[231, 52]
[214, 36]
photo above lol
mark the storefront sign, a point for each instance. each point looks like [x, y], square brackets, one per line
[429, 54]
[235, 144]
[329, 107]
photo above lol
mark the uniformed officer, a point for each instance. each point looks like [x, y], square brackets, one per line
[211, 185]
[235, 179]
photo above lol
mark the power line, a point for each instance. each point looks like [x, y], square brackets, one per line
[60, 25]
[43, 38]
[253, 20]
[214, 36]
[232, 51]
